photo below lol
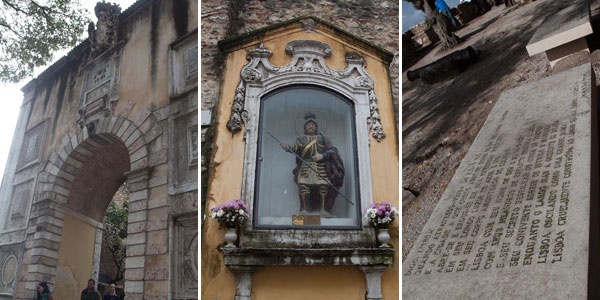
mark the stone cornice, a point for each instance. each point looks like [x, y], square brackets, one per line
[252, 37]
[308, 257]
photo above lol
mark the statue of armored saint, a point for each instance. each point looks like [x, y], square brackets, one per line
[320, 172]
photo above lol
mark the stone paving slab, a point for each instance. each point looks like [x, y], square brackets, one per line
[514, 221]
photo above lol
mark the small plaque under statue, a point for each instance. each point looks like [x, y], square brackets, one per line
[306, 219]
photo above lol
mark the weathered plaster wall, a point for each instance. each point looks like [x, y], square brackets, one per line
[148, 115]
[293, 283]
[74, 263]
[225, 183]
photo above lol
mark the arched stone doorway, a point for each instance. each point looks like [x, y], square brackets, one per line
[65, 227]
[95, 182]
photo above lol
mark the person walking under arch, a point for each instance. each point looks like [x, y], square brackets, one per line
[112, 293]
[43, 292]
[90, 293]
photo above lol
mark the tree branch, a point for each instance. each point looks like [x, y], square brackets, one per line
[11, 29]
[40, 6]
[44, 11]
[11, 5]
[47, 11]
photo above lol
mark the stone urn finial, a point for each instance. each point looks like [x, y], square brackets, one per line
[104, 36]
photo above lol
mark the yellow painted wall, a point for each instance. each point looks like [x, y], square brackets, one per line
[315, 283]
[225, 184]
[75, 258]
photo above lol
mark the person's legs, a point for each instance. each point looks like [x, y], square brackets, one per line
[448, 14]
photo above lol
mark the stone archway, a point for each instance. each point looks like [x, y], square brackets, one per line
[89, 166]
[95, 182]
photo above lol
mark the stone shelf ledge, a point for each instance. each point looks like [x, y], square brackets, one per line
[245, 261]
[307, 257]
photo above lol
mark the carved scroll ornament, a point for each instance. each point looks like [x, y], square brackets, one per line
[308, 58]
[237, 109]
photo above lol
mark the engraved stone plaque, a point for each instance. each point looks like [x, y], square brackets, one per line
[100, 87]
[306, 220]
[99, 75]
[94, 95]
[514, 222]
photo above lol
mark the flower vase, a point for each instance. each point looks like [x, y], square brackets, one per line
[383, 237]
[230, 237]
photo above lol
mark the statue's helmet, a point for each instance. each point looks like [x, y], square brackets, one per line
[310, 118]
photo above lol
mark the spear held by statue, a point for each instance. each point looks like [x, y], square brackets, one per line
[313, 169]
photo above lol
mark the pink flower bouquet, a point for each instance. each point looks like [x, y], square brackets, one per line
[381, 214]
[231, 213]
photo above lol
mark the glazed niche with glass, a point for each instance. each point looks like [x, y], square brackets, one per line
[307, 173]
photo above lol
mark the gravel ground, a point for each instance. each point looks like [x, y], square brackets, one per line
[440, 121]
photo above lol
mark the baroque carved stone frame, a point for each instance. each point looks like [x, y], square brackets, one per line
[308, 67]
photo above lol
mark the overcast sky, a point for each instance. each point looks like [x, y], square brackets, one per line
[12, 97]
[412, 17]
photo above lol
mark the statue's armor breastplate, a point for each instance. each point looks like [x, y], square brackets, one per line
[307, 146]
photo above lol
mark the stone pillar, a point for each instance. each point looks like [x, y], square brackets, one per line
[96, 259]
[373, 280]
[136, 232]
[243, 290]
[41, 248]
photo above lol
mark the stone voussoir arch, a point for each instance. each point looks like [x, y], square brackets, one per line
[55, 182]
[58, 175]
